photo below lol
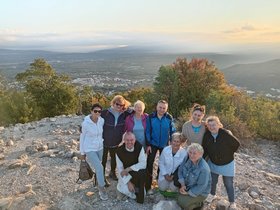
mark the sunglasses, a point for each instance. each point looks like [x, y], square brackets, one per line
[117, 104]
[97, 111]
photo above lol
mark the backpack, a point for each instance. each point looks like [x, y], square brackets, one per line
[85, 172]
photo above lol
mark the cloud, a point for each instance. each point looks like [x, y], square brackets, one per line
[244, 28]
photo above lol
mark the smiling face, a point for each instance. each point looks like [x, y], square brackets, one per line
[176, 143]
[129, 140]
[197, 116]
[138, 109]
[118, 106]
[161, 109]
[194, 155]
[213, 126]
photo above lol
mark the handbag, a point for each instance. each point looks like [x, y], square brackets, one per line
[85, 172]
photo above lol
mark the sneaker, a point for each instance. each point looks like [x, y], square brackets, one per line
[210, 198]
[107, 183]
[113, 176]
[103, 195]
[232, 206]
[150, 192]
[121, 197]
[79, 181]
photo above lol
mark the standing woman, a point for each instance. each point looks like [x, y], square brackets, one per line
[136, 123]
[220, 145]
[91, 145]
[194, 129]
[113, 130]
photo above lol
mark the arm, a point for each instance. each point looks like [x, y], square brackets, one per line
[161, 163]
[201, 184]
[125, 178]
[234, 141]
[181, 175]
[82, 138]
[142, 162]
[204, 145]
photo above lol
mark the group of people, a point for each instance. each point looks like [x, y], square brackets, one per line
[133, 139]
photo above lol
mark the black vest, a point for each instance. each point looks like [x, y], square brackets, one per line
[129, 158]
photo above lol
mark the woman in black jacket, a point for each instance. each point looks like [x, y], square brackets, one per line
[220, 145]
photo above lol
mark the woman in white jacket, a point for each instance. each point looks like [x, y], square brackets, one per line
[91, 145]
[169, 160]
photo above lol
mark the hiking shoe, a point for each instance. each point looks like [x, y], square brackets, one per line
[150, 192]
[103, 195]
[113, 176]
[210, 198]
[107, 183]
[232, 206]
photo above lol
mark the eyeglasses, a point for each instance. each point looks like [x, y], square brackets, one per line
[117, 104]
[97, 111]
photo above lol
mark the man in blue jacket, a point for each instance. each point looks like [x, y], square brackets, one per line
[159, 130]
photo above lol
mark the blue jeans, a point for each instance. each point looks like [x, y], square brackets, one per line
[94, 159]
[228, 182]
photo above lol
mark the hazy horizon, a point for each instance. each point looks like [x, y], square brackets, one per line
[181, 26]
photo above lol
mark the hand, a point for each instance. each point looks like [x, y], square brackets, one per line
[168, 178]
[183, 190]
[130, 187]
[83, 157]
[149, 150]
[124, 173]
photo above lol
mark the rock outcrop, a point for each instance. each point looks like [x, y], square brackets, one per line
[39, 168]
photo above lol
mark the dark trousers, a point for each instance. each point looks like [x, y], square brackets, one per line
[150, 166]
[228, 182]
[138, 179]
[112, 152]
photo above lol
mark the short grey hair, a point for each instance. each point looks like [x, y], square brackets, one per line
[178, 135]
[128, 133]
[141, 103]
[196, 147]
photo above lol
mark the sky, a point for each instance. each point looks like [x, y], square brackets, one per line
[178, 25]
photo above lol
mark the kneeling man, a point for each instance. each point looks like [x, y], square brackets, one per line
[131, 165]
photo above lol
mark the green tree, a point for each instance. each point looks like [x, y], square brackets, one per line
[53, 93]
[184, 83]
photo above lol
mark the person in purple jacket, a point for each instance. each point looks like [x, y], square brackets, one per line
[136, 123]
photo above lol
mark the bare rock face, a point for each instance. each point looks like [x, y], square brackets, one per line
[15, 164]
[167, 205]
[222, 205]
[2, 157]
[32, 149]
[40, 173]
[10, 143]
[52, 145]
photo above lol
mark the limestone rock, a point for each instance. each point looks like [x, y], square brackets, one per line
[5, 203]
[2, 157]
[166, 205]
[256, 207]
[10, 143]
[31, 149]
[222, 205]
[15, 164]
[52, 145]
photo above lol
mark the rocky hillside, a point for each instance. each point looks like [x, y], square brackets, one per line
[39, 167]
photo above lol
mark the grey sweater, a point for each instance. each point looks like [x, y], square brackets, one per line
[190, 135]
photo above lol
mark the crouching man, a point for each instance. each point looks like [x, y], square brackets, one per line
[131, 165]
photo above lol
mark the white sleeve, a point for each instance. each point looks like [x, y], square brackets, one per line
[124, 179]
[142, 161]
[161, 163]
[82, 138]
